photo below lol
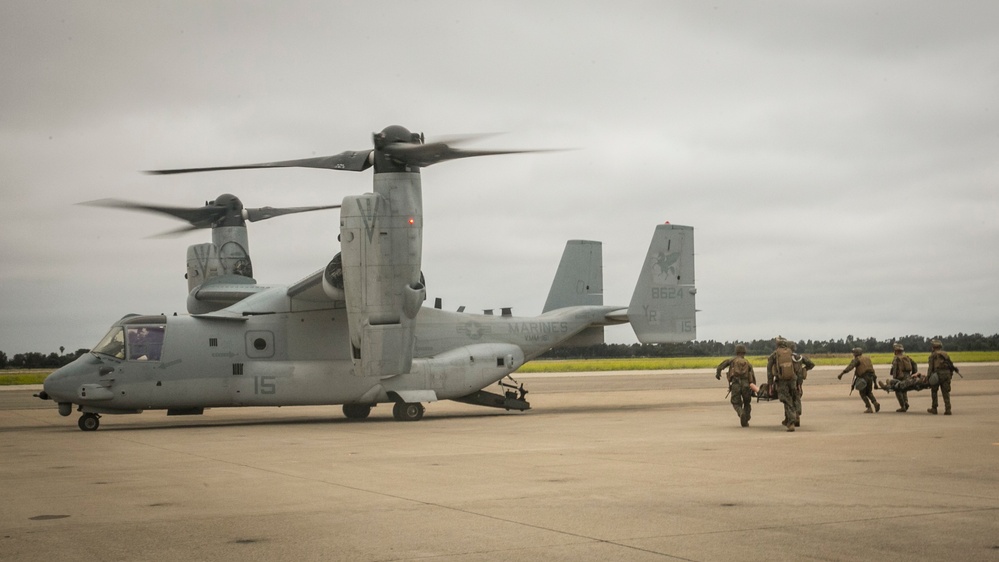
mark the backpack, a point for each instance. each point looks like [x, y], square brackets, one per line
[784, 364]
[738, 368]
[905, 364]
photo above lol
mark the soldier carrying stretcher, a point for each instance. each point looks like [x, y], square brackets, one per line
[741, 379]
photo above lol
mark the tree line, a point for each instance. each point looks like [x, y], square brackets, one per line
[711, 348]
[707, 348]
[37, 360]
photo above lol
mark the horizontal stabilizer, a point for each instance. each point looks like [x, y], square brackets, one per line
[662, 308]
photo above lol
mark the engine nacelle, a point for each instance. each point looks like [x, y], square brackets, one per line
[333, 279]
[412, 298]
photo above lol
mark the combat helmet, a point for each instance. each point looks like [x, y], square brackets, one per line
[936, 344]
[898, 347]
[740, 349]
[858, 351]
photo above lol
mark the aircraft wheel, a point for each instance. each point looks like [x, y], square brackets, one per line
[408, 411]
[356, 411]
[89, 422]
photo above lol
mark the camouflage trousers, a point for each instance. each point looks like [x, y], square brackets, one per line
[742, 395]
[944, 387]
[787, 393]
[867, 395]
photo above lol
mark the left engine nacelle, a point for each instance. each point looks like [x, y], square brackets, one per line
[333, 279]
[208, 262]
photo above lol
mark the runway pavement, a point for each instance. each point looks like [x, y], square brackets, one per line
[627, 466]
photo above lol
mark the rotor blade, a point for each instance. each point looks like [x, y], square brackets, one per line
[349, 160]
[262, 213]
[176, 232]
[460, 139]
[199, 217]
[423, 155]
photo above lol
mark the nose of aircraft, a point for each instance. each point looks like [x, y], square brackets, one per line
[61, 385]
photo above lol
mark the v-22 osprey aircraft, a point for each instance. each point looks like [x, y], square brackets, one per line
[356, 333]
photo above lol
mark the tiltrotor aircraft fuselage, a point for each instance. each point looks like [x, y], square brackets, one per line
[355, 333]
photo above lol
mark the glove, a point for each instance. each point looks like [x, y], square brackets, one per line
[718, 376]
[840, 377]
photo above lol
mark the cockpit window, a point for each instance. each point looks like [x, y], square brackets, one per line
[137, 343]
[145, 343]
[112, 344]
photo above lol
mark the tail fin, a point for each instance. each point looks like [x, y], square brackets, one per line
[662, 308]
[579, 280]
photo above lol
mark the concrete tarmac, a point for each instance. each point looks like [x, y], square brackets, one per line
[627, 466]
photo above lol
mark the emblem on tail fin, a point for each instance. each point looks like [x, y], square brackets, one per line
[664, 268]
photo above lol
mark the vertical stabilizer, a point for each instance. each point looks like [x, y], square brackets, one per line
[662, 308]
[579, 281]
[579, 278]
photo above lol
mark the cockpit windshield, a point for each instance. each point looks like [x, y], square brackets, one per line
[112, 344]
[135, 338]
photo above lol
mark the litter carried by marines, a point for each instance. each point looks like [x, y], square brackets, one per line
[864, 379]
[741, 383]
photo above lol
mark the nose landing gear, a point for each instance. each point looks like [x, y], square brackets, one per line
[89, 422]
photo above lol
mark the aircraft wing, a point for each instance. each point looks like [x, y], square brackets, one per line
[307, 294]
[210, 297]
[311, 289]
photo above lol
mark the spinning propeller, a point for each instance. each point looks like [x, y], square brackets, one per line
[225, 210]
[395, 150]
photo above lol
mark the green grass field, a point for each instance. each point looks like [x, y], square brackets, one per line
[758, 361]
[13, 377]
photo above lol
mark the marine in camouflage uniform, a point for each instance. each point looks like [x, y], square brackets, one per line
[864, 370]
[941, 366]
[902, 370]
[915, 382]
[780, 372]
[740, 375]
[802, 365]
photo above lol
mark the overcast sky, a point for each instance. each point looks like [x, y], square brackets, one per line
[838, 160]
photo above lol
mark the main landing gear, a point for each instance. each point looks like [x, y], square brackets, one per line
[89, 422]
[408, 411]
[356, 411]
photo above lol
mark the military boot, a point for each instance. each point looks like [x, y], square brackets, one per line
[902, 409]
[947, 412]
[868, 410]
[877, 407]
[744, 418]
[932, 411]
